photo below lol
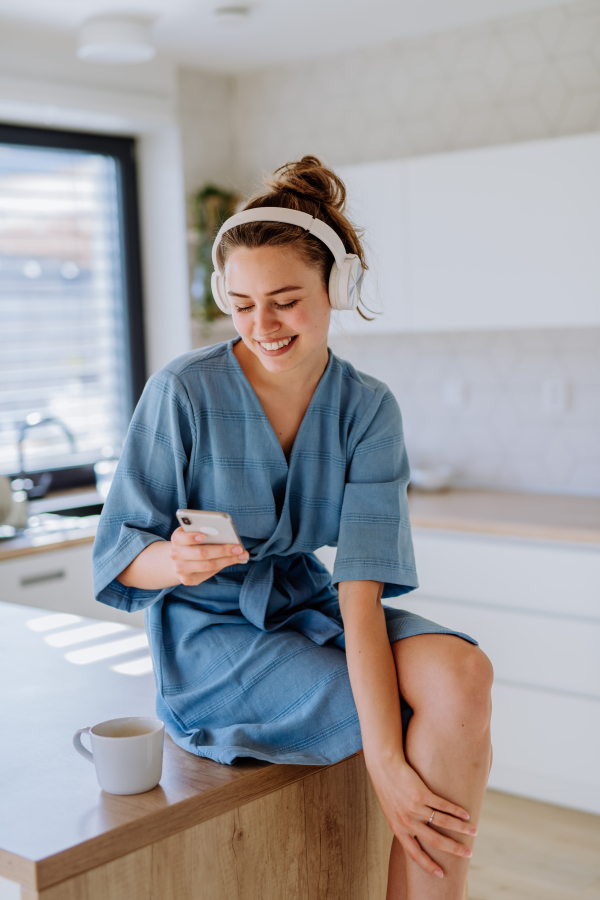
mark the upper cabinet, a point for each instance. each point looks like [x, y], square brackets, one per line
[503, 237]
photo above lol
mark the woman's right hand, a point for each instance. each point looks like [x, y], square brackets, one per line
[194, 563]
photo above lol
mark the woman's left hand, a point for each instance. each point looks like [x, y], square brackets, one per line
[407, 804]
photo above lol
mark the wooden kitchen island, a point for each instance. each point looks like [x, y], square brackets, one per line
[251, 831]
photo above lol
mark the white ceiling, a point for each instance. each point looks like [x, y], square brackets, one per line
[276, 31]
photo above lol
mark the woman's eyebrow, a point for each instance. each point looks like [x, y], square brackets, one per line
[281, 290]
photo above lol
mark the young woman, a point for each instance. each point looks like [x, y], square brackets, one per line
[257, 651]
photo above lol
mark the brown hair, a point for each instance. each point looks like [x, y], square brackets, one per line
[310, 187]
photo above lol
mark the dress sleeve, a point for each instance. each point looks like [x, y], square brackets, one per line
[150, 484]
[375, 542]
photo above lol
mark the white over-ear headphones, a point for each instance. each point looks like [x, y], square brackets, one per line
[346, 274]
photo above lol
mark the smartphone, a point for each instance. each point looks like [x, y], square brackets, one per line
[217, 527]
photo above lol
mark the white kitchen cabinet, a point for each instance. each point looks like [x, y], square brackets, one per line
[534, 608]
[59, 580]
[494, 238]
[377, 203]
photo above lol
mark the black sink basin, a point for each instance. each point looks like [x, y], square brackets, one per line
[86, 503]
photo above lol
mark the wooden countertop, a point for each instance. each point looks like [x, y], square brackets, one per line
[55, 822]
[509, 513]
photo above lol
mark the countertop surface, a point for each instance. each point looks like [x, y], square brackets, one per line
[74, 531]
[55, 821]
[43, 541]
[507, 513]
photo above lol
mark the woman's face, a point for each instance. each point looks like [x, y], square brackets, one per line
[280, 307]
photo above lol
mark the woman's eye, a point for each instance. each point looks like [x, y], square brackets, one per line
[242, 308]
[287, 305]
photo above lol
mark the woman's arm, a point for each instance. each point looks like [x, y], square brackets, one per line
[181, 560]
[404, 798]
[372, 672]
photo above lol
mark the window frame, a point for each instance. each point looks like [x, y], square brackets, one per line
[123, 150]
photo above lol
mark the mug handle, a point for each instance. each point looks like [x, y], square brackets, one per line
[79, 746]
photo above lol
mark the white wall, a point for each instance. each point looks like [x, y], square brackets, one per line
[514, 79]
[204, 112]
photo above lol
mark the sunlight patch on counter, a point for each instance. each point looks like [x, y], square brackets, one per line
[140, 666]
[87, 633]
[105, 651]
[56, 620]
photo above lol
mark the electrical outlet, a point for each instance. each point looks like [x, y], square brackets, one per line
[555, 396]
[456, 394]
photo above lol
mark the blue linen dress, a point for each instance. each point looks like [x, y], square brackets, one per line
[252, 661]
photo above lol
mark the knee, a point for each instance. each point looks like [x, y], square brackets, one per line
[466, 680]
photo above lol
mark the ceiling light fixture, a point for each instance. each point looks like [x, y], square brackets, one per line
[116, 40]
[232, 13]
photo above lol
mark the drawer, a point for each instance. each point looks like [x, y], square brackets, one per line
[60, 580]
[528, 649]
[546, 746]
[545, 576]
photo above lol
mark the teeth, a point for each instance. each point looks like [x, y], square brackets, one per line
[276, 345]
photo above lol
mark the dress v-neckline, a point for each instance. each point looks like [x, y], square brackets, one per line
[265, 418]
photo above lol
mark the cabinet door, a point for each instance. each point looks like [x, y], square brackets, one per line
[377, 204]
[506, 237]
[533, 606]
[59, 580]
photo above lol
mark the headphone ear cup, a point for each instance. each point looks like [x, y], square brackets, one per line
[217, 284]
[345, 283]
[334, 287]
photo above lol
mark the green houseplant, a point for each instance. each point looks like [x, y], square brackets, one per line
[210, 206]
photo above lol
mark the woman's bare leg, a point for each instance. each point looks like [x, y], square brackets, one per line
[396, 889]
[447, 683]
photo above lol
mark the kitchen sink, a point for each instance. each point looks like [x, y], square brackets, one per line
[77, 503]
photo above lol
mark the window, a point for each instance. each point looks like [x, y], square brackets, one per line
[71, 341]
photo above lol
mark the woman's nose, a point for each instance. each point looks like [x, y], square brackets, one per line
[266, 321]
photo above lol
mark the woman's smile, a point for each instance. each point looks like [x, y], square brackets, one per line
[277, 348]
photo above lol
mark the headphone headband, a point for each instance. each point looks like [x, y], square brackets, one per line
[320, 229]
[345, 278]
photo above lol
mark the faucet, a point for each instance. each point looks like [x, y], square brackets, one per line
[46, 478]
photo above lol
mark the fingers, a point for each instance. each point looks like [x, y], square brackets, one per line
[194, 573]
[445, 806]
[452, 824]
[185, 567]
[432, 837]
[185, 547]
[194, 564]
[211, 551]
[190, 538]
[413, 849]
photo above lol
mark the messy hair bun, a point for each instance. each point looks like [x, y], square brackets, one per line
[307, 186]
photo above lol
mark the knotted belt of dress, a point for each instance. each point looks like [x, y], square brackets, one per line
[277, 592]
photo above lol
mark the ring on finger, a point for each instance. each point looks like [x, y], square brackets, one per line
[431, 816]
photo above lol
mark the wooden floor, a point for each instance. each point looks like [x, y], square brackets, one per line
[534, 851]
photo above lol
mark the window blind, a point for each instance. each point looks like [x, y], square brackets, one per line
[64, 351]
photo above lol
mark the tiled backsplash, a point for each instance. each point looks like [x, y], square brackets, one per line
[481, 402]
[478, 401]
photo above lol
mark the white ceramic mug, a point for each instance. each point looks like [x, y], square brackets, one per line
[127, 753]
